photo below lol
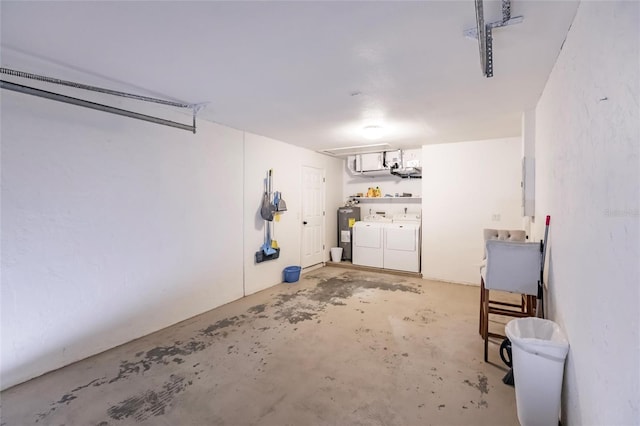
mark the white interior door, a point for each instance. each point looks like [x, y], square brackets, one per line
[312, 216]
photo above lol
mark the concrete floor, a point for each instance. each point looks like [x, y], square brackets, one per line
[339, 347]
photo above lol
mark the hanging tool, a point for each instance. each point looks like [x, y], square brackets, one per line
[265, 208]
[276, 214]
[281, 206]
[272, 206]
[268, 208]
[276, 218]
[266, 247]
[543, 250]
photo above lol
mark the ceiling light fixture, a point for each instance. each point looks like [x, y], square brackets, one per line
[373, 132]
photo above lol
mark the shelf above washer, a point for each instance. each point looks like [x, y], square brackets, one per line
[387, 199]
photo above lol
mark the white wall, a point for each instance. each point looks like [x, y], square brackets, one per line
[113, 228]
[588, 180]
[262, 154]
[463, 186]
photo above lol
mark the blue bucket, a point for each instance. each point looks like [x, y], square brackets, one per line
[291, 274]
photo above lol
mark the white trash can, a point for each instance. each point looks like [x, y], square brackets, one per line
[539, 349]
[336, 254]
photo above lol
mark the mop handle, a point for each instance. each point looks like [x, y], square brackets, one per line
[544, 247]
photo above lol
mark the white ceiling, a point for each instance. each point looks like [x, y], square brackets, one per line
[311, 74]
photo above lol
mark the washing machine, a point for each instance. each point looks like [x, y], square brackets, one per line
[401, 248]
[368, 239]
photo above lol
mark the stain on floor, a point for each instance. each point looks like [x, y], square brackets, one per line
[338, 347]
[482, 386]
[304, 305]
[212, 330]
[150, 403]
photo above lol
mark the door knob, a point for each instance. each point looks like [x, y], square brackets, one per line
[304, 223]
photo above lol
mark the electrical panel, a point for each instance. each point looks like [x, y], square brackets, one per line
[528, 186]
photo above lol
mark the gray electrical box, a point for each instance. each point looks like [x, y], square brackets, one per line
[528, 186]
[347, 217]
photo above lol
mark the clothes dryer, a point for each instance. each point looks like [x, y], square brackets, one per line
[402, 243]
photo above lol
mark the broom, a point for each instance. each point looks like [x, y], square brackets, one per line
[543, 250]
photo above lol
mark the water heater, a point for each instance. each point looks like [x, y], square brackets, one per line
[347, 217]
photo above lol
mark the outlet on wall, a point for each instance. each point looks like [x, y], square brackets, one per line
[495, 217]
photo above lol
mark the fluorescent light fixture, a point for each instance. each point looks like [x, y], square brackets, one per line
[357, 149]
[372, 132]
[374, 145]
